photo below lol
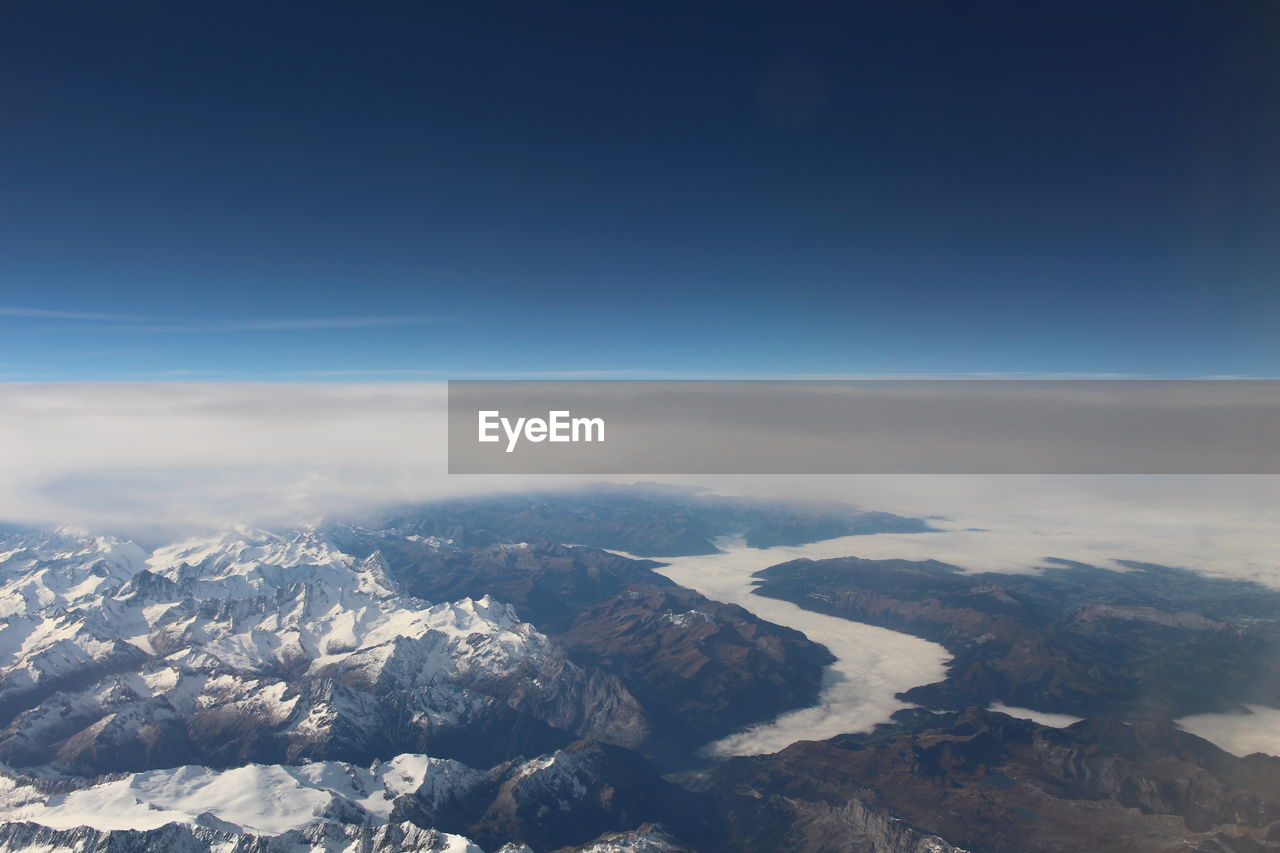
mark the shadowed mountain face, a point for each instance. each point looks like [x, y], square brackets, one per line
[254, 683]
[653, 521]
[384, 688]
[254, 647]
[697, 665]
[986, 781]
[1149, 642]
[699, 668]
[576, 797]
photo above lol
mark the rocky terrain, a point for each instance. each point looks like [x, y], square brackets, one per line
[422, 684]
[699, 668]
[254, 647]
[655, 521]
[989, 782]
[1147, 642]
[576, 796]
[352, 687]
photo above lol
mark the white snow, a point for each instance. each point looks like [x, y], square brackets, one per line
[246, 601]
[210, 644]
[261, 799]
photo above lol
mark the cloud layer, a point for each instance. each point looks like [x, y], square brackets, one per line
[125, 455]
[158, 456]
[872, 664]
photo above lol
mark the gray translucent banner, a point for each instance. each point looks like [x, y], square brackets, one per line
[865, 427]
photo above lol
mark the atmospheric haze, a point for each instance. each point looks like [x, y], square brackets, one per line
[162, 459]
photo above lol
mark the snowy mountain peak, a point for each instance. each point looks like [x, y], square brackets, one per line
[257, 799]
[243, 546]
[246, 562]
[286, 658]
[62, 569]
[467, 615]
[264, 644]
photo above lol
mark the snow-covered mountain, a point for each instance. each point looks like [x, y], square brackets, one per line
[250, 646]
[321, 805]
[256, 799]
[259, 684]
[356, 688]
[66, 567]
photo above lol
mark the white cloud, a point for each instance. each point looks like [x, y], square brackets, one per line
[125, 455]
[1044, 718]
[1218, 525]
[152, 459]
[1240, 734]
[130, 454]
[872, 664]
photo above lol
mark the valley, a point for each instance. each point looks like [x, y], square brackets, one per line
[437, 679]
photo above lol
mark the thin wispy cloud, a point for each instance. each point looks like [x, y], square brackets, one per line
[655, 374]
[373, 371]
[52, 314]
[178, 373]
[322, 323]
[499, 374]
[135, 323]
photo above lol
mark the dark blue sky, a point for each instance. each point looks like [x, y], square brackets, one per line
[274, 190]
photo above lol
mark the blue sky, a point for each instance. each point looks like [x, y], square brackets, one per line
[253, 191]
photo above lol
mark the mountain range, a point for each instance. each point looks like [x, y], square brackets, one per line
[461, 677]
